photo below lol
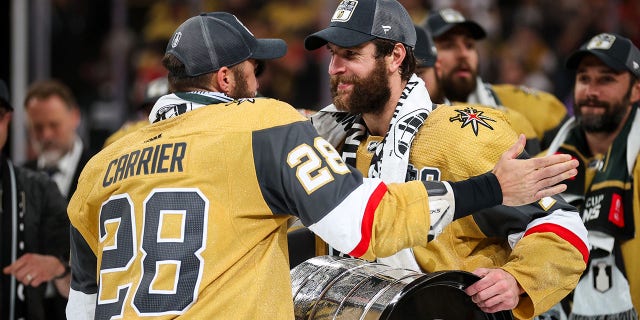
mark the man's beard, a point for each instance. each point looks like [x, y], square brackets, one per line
[368, 95]
[241, 90]
[51, 157]
[607, 122]
[458, 89]
[50, 153]
[437, 96]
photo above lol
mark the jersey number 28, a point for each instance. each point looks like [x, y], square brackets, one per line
[172, 238]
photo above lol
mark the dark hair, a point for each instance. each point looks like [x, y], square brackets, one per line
[385, 47]
[178, 78]
[49, 88]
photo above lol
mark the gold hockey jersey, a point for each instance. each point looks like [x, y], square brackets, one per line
[187, 217]
[545, 250]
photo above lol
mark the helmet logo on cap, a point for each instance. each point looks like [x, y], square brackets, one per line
[603, 41]
[176, 39]
[451, 16]
[344, 11]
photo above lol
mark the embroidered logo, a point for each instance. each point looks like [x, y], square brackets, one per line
[546, 203]
[473, 117]
[386, 29]
[451, 16]
[602, 41]
[344, 11]
[176, 39]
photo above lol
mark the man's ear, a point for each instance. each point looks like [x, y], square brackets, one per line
[635, 91]
[397, 56]
[224, 80]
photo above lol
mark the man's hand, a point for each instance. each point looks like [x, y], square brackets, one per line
[496, 291]
[34, 269]
[527, 181]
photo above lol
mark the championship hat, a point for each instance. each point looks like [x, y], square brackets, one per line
[616, 51]
[441, 21]
[5, 101]
[425, 50]
[357, 21]
[210, 41]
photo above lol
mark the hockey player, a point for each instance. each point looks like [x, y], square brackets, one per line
[456, 37]
[383, 122]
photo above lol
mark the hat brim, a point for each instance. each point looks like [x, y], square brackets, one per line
[342, 37]
[574, 60]
[477, 32]
[269, 49]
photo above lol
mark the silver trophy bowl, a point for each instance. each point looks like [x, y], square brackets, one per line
[332, 287]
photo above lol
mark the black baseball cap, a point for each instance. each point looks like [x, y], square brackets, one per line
[614, 50]
[425, 50]
[210, 41]
[5, 101]
[443, 20]
[357, 21]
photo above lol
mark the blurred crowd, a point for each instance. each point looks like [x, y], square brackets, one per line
[527, 44]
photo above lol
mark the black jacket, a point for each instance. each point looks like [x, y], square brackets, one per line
[46, 229]
[86, 155]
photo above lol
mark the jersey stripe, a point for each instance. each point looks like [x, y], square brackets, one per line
[561, 223]
[367, 220]
[349, 224]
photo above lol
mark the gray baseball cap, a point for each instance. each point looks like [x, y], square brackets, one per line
[441, 21]
[210, 41]
[425, 51]
[357, 21]
[5, 101]
[616, 51]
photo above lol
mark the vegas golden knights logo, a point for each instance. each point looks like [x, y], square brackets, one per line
[473, 117]
[344, 11]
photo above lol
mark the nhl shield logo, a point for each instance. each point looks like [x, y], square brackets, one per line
[602, 41]
[176, 39]
[451, 16]
[344, 11]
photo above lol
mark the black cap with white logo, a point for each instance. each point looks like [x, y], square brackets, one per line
[357, 21]
[444, 20]
[616, 51]
[210, 41]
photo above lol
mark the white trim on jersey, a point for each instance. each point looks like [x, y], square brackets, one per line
[341, 228]
[81, 305]
[566, 224]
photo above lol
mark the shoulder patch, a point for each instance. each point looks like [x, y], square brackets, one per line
[528, 90]
[473, 117]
